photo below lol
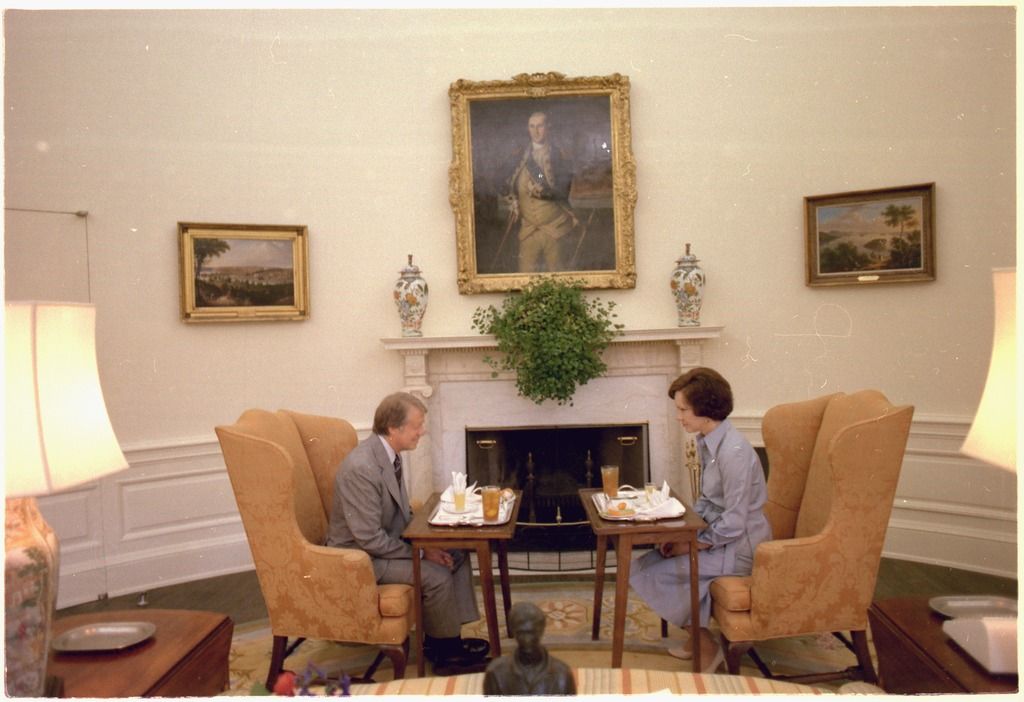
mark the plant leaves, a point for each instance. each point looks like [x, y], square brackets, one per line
[551, 335]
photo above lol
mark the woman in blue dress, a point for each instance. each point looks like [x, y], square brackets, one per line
[732, 497]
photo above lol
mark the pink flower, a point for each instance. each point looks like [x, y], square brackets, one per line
[285, 684]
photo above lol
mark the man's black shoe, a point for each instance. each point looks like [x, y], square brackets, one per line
[455, 651]
[459, 667]
[467, 656]
[476, 647]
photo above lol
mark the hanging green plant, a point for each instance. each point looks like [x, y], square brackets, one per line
[551, 335]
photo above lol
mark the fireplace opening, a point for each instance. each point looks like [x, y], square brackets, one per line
[549, 464]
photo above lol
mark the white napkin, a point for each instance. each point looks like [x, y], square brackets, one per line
[661, 494]
[459, 483]
[661, 504]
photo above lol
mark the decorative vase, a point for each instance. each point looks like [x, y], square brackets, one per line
[30, 597]
[688, 289]
[411, 299]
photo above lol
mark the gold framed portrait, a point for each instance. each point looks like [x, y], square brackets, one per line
[243, 272]
[542, 181]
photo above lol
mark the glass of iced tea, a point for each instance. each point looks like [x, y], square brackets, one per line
[491, 497]
[610, 480]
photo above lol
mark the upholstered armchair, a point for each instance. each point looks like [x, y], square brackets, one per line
[833, 466]
[281, 467]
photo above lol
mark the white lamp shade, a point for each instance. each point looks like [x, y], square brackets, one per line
[993, 435]
[58, 431]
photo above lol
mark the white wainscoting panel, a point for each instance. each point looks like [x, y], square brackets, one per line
[951, 509]
[171, 516]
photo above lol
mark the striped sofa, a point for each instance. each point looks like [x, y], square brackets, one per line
[602, 681]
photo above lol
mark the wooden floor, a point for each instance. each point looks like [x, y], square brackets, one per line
[238, 595]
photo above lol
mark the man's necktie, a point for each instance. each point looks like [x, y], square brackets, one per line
[398, 469]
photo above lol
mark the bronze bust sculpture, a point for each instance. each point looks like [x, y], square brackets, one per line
[530, 670]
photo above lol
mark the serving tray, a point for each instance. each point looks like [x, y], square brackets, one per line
[634, 501]
[445, 515]
[111, 636]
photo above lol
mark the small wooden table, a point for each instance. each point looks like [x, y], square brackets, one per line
[915, 656]
[186, 657]
[626, 534]
[422, 534]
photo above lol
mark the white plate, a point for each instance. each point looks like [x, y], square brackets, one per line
[449, 507]
[111, 636]
[974, 606]
[470, 500]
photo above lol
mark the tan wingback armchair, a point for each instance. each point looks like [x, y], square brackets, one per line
[833, 466]
[281, 467]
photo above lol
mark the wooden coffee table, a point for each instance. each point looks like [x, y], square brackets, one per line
[187, 656]
[915, 656]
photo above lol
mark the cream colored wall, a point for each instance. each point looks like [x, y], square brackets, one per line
[339, 120]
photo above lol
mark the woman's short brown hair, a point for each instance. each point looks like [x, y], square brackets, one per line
[393, 410]
[706, 391]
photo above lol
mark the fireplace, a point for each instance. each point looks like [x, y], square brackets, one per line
[462, 393]
[549, 464]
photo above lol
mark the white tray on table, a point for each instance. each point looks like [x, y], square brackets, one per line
[473, 515]
[974, 606]
[637, 504]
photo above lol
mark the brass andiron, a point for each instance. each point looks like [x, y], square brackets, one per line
[530, 486]
[693, 467]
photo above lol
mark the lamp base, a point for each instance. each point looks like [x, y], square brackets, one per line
[30, 597]
[991, 641]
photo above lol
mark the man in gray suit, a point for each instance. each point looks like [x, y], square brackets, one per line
[370, 512]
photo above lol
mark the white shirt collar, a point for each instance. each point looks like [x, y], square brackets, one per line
[387, 447]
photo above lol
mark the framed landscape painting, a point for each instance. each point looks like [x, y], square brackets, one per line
[871, 236]
[542, 181]
[243, 272]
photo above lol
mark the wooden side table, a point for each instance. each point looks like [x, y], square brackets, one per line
[422, 534]
[187, 656]
[624, 535]
[915, 656]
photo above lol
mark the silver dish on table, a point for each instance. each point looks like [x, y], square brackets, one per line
[109, 636]
[974, 606]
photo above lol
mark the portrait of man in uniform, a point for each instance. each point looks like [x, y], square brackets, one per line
[543, 186]
[542, 181]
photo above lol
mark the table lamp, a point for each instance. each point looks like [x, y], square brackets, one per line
[58, 435]
[992, 641]
[993, 434]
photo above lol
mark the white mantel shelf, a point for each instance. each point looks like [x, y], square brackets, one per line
[487, 341]
[416, 350]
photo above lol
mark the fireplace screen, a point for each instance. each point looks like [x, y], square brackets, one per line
[550, 465]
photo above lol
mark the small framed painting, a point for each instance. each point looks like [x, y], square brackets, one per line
[243, 272]
[871, 236]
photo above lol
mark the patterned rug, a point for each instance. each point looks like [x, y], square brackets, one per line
[567, 636]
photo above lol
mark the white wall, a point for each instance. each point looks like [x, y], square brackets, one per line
[339, 120]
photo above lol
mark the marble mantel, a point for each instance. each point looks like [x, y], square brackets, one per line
[460, 390]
